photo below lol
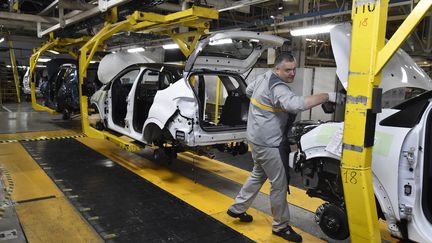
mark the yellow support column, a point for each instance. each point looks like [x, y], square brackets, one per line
[368, 56]
[217, 99]
[368, 33]
[14, 70]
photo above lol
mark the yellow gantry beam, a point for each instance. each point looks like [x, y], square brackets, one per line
[368, 56]
[195, 17]
[63, 45]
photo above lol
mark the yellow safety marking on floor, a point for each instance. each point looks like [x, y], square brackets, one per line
[40, 135]
[298, 197]
[46, 216]
[54, 220]
[29, 179]
[203, 198]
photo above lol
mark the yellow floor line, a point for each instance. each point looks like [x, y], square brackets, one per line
[47, 220]
[39, 134]
[204, 199]
[298, 197]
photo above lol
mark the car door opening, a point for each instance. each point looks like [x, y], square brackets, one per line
[223, 109]
[150, 82]
[119, 92]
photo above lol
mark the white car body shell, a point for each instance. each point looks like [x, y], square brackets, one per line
[392, 147]
[178, 103]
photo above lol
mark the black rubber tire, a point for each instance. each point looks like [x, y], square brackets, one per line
[333, 221]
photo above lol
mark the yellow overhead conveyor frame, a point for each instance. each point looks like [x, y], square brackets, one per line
[197, 18]
[62, 45]
[368, 57]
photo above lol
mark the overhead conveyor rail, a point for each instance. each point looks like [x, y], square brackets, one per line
[197, 18]
[61, 45]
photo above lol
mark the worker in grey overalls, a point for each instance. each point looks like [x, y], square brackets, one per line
[273, 107]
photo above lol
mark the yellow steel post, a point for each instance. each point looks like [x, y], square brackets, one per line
[217, 99]
[196, 17]
[366, 61]
[33, 60]
[14, 70]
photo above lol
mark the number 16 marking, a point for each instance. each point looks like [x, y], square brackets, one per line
[363, 22]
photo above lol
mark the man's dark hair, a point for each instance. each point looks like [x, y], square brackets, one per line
[284, 57]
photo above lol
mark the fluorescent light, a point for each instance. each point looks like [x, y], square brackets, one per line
[312, 30]
[44, 59]
[54, 52]
[8, 66]
[2, 39]
[220, 42]
[41, 66]
[170, 46]
[93, 61]
[137, 49]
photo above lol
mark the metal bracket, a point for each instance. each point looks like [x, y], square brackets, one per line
[407, 211]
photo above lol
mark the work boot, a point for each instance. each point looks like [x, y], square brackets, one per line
[244, 217]
[289, 234]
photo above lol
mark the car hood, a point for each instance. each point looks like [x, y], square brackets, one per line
[114, 63]
[234, 51]
[400, 71]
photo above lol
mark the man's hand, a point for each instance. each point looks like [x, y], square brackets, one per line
[337, 98]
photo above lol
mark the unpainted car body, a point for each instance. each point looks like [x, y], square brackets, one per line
[26, 83]
[181, 113]
[61, 91]
[401, 161]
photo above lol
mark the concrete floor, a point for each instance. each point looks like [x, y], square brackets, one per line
[15, 118]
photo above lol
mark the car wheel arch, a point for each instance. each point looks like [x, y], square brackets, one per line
[151, 130]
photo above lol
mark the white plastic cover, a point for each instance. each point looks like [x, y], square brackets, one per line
[114, 63]
[400, 71]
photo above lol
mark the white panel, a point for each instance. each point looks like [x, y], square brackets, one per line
[324, 82]
[112, 64]
[255, 73]
[307, 75]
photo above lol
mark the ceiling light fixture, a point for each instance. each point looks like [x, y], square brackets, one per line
[44, 59]
[137, 49]
[54, 52]
[312, 30]
[220, 42]
[280, 6]
[170, 46]
[2, 39]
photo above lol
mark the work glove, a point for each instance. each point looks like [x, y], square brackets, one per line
[337, 98]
